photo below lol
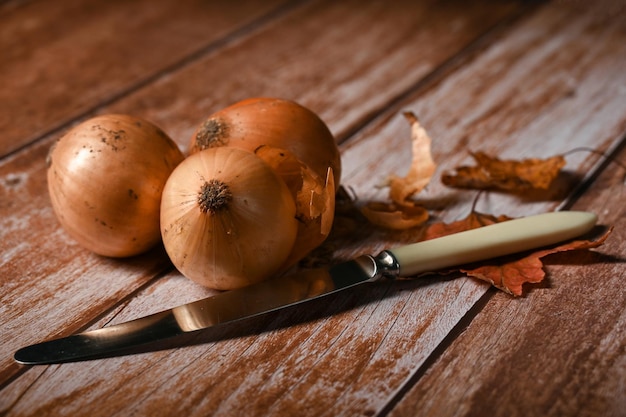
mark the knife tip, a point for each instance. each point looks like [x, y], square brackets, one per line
[23, 357]
[37, 354]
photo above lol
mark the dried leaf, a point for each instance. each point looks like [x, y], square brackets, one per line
[422, 165]
[392, 216]
[508, 175]
[402, 213]
[509, 275]
[473, 221]
[511, 272]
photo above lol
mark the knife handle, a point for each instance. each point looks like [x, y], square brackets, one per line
[491, 241]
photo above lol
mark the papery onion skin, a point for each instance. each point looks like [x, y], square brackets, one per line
[248, 232]
[274, 122]
[105, 179]
[314, 197]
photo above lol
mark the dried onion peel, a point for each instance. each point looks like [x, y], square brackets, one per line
[300, 148]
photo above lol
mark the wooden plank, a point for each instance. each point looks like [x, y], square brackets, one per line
[512, 103]
[57, 288]
[561, 351]
[59, 61]
[351, 354]
[346, 61]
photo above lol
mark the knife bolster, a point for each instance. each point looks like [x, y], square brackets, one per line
[387, 266]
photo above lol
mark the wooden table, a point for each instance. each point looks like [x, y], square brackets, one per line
[511, 78]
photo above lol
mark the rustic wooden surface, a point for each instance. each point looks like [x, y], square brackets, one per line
[511, 78]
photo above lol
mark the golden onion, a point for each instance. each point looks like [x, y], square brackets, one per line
[274, 122]
[105, 178]
[300, 148]
[227, 219]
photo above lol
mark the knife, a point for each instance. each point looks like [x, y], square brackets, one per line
[486, 242]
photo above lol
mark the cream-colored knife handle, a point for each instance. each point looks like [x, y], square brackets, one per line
[491, 241]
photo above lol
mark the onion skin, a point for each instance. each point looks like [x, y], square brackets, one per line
[246, 230]
[314, 197]
[105, 179]
[274, 122]
[300, 148]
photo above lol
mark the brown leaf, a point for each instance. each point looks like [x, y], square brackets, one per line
[402, 213]
[392, 216]
[511, 273]
[508, 175]
[473, 221]
[507, 273]
[422, 165]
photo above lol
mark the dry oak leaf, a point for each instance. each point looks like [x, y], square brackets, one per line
[402, 213]
[507, 273]
[508, 175]
[422, 165]
[392, 216]
[473, 221]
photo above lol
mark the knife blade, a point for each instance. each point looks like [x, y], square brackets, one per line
[487, 242]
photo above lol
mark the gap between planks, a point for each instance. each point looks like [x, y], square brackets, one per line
[609, 158]
[390, 108]
[236, 35]
[378, 112]
[430, 80]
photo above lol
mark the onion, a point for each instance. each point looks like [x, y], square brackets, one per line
[227, 219]
[105, 178]
[298, 146]
[273, 122]
[314, 197]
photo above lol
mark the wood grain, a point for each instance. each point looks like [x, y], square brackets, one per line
[560, 351]
[178, 102]
[537, 86]
[60, 61]
[513, 104]
[368, 66]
